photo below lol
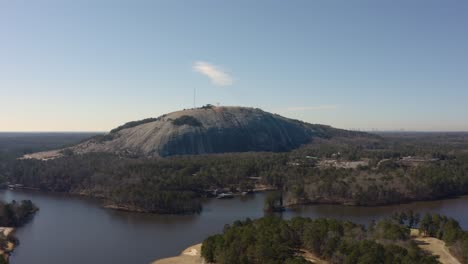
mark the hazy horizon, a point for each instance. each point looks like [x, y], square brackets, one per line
[90, 66]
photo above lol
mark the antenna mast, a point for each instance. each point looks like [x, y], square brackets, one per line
[194, 93]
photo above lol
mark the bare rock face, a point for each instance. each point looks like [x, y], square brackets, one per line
[203, 131]
[206, 130]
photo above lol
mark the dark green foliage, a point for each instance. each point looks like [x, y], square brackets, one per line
[210, 246]
[273, 202]
[116, 178]
[106, 137]
[451, 231]
[413, 219]
[268, 240]
[67, 152]
[409, 219]
[207, 106]
[147, 184]
[388, 229]
[13, 145]
[139, 185]
[441, 227]
[171, 185]
[272, 240]
[448, 230]
[134, 124]
[186, 120]
[15, 214]
[387, 179]
[464, 244]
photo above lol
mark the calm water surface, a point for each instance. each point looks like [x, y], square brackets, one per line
[74, 230]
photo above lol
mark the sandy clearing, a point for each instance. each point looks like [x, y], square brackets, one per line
[44, 155]
[10, 246]
[6, 231]
[435, 247]
[191, 255]
[311, 257]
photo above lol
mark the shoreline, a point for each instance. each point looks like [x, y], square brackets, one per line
[291, 204]
[5, 236]
[435, 247]
[190, 255]
[350, 203]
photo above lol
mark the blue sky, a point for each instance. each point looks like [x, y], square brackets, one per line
[92, 65]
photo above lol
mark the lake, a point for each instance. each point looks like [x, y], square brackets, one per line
[76, 230]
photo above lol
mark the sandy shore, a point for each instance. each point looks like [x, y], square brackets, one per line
[435, 247]
[311, 257]
[5, 233]
[191, 255]
[44, 155]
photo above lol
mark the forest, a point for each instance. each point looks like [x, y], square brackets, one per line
[15, 214]
[271, 240]
[16, 144]
[384, 175]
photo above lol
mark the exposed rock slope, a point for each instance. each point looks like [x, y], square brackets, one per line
[207, 130]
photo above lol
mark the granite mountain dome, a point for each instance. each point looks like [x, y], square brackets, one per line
[207, 130]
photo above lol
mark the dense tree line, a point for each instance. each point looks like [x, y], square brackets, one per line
[448, 230]
[135, 123]
[175, 184]
[385, 179]
[273, 202]
[273, 240]
[154, 185]
[378, 185]
[186, 120]
[15, 214]
[13, 145]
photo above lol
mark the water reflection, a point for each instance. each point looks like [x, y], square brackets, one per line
[456, 208]
[77, 230]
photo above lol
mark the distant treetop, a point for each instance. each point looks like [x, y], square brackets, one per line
[207, 106]
[134, 124]
[186, 120]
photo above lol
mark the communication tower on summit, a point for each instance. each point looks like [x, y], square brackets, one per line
[194, 94]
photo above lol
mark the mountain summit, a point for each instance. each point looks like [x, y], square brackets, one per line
[206, 130]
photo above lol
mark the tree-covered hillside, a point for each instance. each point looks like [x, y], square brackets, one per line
[274, 241]
[12, 215]
[347, 171]
[271, 240]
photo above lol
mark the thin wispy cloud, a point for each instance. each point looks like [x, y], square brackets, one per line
[311, 108]
[217, 75]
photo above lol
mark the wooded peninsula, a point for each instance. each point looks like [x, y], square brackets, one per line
[383, 169]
